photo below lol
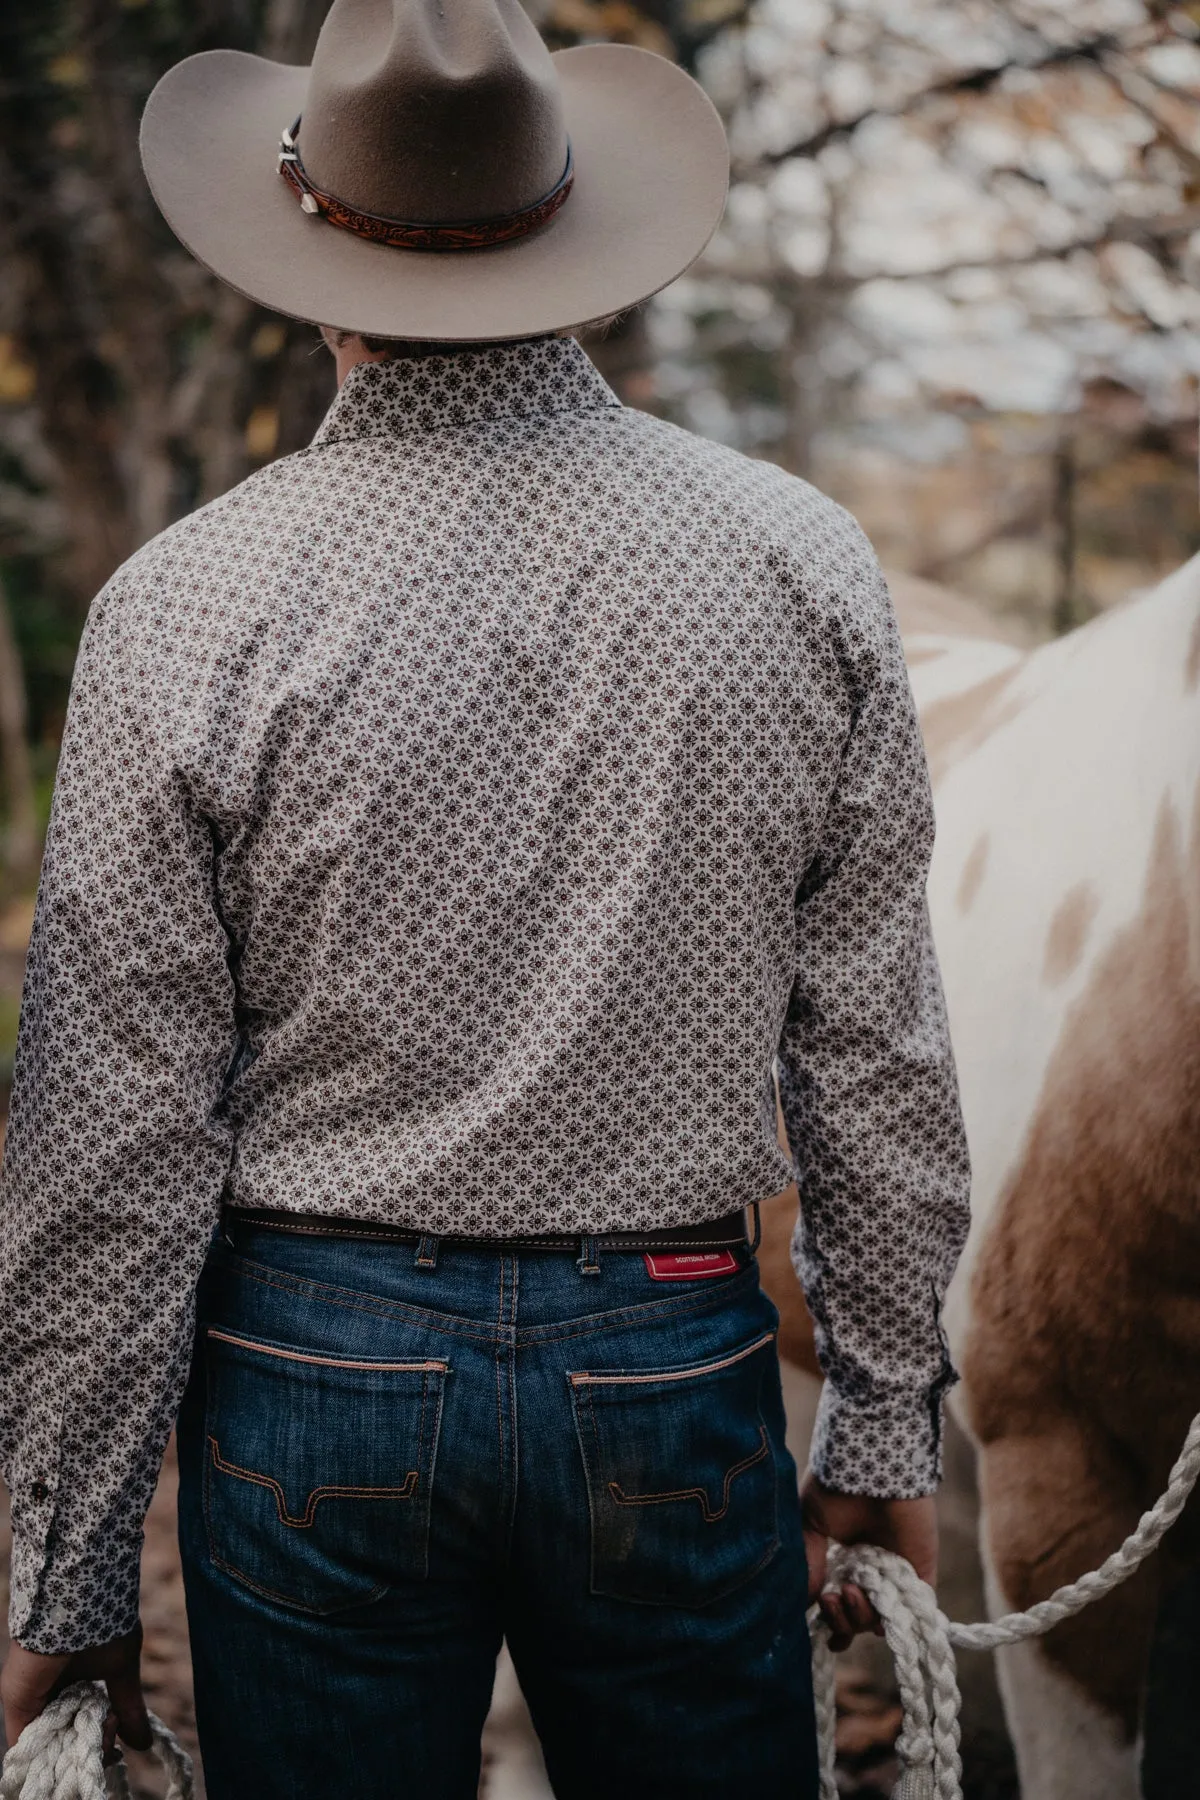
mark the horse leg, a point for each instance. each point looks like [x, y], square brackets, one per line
[1055, 1503]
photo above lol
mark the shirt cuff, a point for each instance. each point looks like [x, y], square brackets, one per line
[887, 1449]
[43, 1614]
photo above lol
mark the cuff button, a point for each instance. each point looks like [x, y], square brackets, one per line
[39, 1491]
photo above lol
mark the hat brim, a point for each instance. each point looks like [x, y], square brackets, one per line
[651, 175]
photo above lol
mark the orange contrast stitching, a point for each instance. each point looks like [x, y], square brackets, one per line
[327, 1362]
[318, 1494]
[672, 1374]
[695, 1493]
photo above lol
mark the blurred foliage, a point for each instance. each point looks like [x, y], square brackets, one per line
[133, 386]
[676, 28]
[956, 225]
[844, 315]
[107, 329]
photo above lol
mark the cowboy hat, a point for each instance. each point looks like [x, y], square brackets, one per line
[437, 174]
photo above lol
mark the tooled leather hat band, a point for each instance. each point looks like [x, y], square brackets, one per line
[405, 234]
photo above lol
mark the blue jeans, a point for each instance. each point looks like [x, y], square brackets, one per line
[393, 1457]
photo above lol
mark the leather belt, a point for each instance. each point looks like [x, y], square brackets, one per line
[711, 1234]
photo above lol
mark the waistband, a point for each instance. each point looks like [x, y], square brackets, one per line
[724, 1233]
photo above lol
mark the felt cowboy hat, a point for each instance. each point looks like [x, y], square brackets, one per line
[437, 173]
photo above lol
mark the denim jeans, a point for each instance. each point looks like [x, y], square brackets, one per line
[392, 1457]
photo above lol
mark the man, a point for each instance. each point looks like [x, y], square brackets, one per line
[457, 825]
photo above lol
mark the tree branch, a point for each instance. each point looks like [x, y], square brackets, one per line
[1148, 233]
[971, 81]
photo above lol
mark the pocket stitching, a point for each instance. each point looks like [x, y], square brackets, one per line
[698, 1493]
[586, 1379]
[585, 1421]
[372, 1595]
[327, 1362]
[316, 1495]
[301, 1606]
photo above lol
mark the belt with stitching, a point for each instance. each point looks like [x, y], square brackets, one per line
[715, 1234]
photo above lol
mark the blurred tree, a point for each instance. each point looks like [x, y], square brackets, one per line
[21, 847]
[966, 208]
[152, 387]
[134, 386]
[888, 153]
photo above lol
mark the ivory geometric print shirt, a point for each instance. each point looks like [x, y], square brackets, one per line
[455, 824]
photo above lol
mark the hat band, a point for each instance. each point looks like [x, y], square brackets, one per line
[406, 234]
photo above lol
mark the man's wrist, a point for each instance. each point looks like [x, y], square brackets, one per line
[887, 1448]
[907, 1526]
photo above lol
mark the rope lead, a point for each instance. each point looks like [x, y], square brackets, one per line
[922, 1640]
[60, 1755]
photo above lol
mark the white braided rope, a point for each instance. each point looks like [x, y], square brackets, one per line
[922, 1639]
[60, 1755]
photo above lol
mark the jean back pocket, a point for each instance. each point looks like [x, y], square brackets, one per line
[318, 1470]
[681, 1477]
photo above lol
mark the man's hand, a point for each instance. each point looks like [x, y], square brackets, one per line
[29, 1680]
[909, 1527]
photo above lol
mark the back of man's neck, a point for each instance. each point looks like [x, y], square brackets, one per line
[353, 350]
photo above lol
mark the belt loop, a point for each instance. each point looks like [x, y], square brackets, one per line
[427, 1252]
[588, 1260]
[756, 1240]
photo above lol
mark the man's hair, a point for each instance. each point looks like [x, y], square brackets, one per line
[393, 349]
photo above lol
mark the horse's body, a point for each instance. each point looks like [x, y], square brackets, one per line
[1066, 903]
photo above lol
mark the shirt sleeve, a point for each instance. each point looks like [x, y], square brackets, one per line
[867, 1080]
[114, 1163]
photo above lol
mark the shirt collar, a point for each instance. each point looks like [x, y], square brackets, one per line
[470, 387]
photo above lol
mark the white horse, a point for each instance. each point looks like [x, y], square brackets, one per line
[1066, 902]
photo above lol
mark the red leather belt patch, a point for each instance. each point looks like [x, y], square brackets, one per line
[690, 1265]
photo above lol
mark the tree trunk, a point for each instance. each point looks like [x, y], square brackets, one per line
[21, 838]
[1066, 601]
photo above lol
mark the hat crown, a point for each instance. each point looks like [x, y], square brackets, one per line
[433, 111]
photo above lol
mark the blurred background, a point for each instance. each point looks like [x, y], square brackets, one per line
[957, 286]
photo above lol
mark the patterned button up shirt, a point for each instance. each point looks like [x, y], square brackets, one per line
[460, 824]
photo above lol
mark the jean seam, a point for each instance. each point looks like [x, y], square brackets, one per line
[311, 1612]
[582, 1402]
[206, 1496]
[313, 1359]
[499, 1343]
[684, 1372]
[514, 1428]
[434, 1444]
[672, 1306]
[421, 1437]
[385, 1309]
